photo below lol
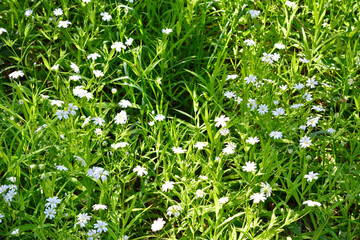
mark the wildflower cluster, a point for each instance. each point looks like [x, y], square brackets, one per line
[172, 119]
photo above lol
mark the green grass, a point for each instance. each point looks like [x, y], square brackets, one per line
[186, 76]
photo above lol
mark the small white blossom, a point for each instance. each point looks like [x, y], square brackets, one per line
[106, 16]
[64, 24]
[157, 225]
[167, 31]
[257, 197]
[249, 167]
[140, 171]
[118, 46]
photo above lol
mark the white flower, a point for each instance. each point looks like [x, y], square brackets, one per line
[233, 76]
[99, 206]
[129, 41]
[159, 117]
[61, 168]
[252, 104]
[312, 121]
[199, 193]
[141, 171]
[80, 92]
[307, 96]
[318, 108]
[3, 188]
[52, 202]
[263, 109]
[254, 13]
[100, 226]
[79, 159]
[72, 109]
[167, 31]
[203, 177]
[174, 210]
[229, 94]
[2, 30]
[12, 179]
[268, 58]
[275, 57]
[250, 79]
[276, 135]
[252, 140]
[16, 74]
[331, 131]
[1, 217]
[201, 145]
[157, 225]
[257, 197]
[64, 24]
[106, 16]
[62, 114]
[250, 42]
[311, 176]
[304, 60]
[9, 196]
[98, 73]
[221, 121]
[118, 46]
[121, 118]
[249, 167]
[86, 1]
[58, 103]
[75, 67]
[50, 212]
[113, 90]
[305, 142]
[291, 4]
[302, 127]
[283, 87]
[98, 121]
[229, 148]
[279, 46]
[43, 97]
[266, 189]
[168, 185]
[83, 219]
[298, 86]
[86, 121]
[28, 12]
[74, 78]
[125, 103]
[98, 131]
[311, 203]
[296, 106]
[224, 131]
[58, 12]
[238, 100]
[151, 123]
[311, 82]
[223, 200]
[278, 112]
[55, 67]
[93, 56]
[158, 80]
[178, 150]
[93, 235]
[97, 173]
[16, 231]
[120, 144]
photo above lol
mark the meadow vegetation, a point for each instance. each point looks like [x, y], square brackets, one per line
[181, 119]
